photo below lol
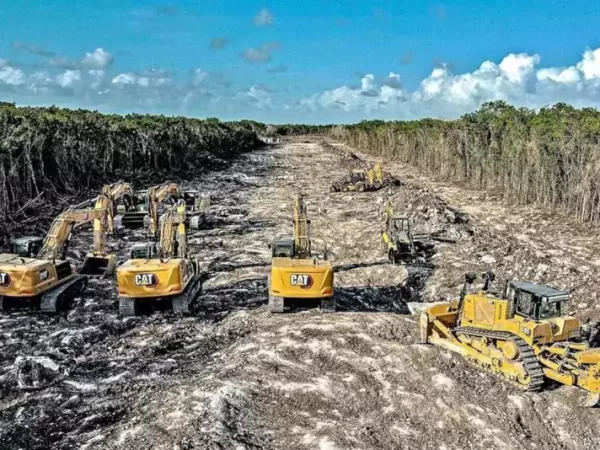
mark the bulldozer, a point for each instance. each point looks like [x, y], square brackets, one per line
[37, 274]
[297, 275]
[398, 239]
[161, 271]
[523, 336]
[360, 180]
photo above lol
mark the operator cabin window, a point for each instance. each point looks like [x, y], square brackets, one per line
[524, 303]
[549, 310]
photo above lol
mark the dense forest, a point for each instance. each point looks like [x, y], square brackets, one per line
[549, 157]
[47, 153]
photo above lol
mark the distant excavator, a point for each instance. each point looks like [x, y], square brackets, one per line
[145, 213]
[523, 336]
[163, 272]
[360, 180]
[295, 273]
[36, 272]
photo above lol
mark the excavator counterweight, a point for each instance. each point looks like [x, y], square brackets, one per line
[162, 271]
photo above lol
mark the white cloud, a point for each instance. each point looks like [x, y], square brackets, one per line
[3, 62]
[199, 76]
[264, 17]
[11, 76]
[97, 77]
[369, 97]
[517, 78]
[590, 64]
[98, 59]
[124, 79]
[153, 78]
[261, 54]
[69, 78]
[258, 96]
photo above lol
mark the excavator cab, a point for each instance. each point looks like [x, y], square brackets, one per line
[143, 250]
[26, 247]
[136, 217]
[283, 248]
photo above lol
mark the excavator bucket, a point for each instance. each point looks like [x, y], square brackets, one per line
[98, 266]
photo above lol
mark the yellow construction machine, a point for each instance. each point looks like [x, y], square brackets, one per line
[398, 239]
[523, 336]
[145, 213]
[165, 272]
[296, 275]
[360, 180]
[36, 272]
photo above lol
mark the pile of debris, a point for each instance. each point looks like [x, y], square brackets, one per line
[360, 180]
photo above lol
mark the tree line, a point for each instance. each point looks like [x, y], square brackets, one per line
[57, 152]
[549, 157]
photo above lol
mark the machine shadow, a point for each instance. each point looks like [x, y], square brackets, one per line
[377, 299]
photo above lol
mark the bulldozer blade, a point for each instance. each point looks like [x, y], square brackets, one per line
[592, 400]
[98, 266]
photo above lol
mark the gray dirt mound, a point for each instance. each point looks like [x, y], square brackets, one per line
[233, 376]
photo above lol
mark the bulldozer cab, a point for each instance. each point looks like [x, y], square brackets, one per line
[399, 223]
[536, 302]
[26, 247]
[283, 248]
[144, 250]
[194, 201]
[357, 176]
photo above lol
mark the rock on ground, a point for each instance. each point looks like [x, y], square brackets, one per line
[233, 376]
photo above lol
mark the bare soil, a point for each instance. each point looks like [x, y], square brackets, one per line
[233, 376]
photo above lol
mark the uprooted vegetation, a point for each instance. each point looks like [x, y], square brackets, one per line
[548, 157]
[235, 376]
[52, 155]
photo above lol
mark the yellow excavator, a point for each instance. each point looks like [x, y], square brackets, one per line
[120, 191]
[523, 336]
[165, 272]
[145, 213]
[295, 274]
[360, 180]
[36, 272]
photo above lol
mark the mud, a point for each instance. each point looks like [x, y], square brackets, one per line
[232, 376]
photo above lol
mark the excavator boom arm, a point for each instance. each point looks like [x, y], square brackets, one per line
[301, 229]
[62, 226]
[173, 228]
[157, 194]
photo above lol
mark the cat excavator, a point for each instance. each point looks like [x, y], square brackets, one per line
[161, 272]
[147, 204]
[295, 273]
[523, 336]
[37, 274]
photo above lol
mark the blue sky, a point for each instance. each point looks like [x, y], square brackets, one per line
[299, 61]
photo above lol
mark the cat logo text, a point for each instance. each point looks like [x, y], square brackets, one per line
[300, 280]
[146, 279]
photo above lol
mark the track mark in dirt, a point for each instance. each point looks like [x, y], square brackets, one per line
[235, 376]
